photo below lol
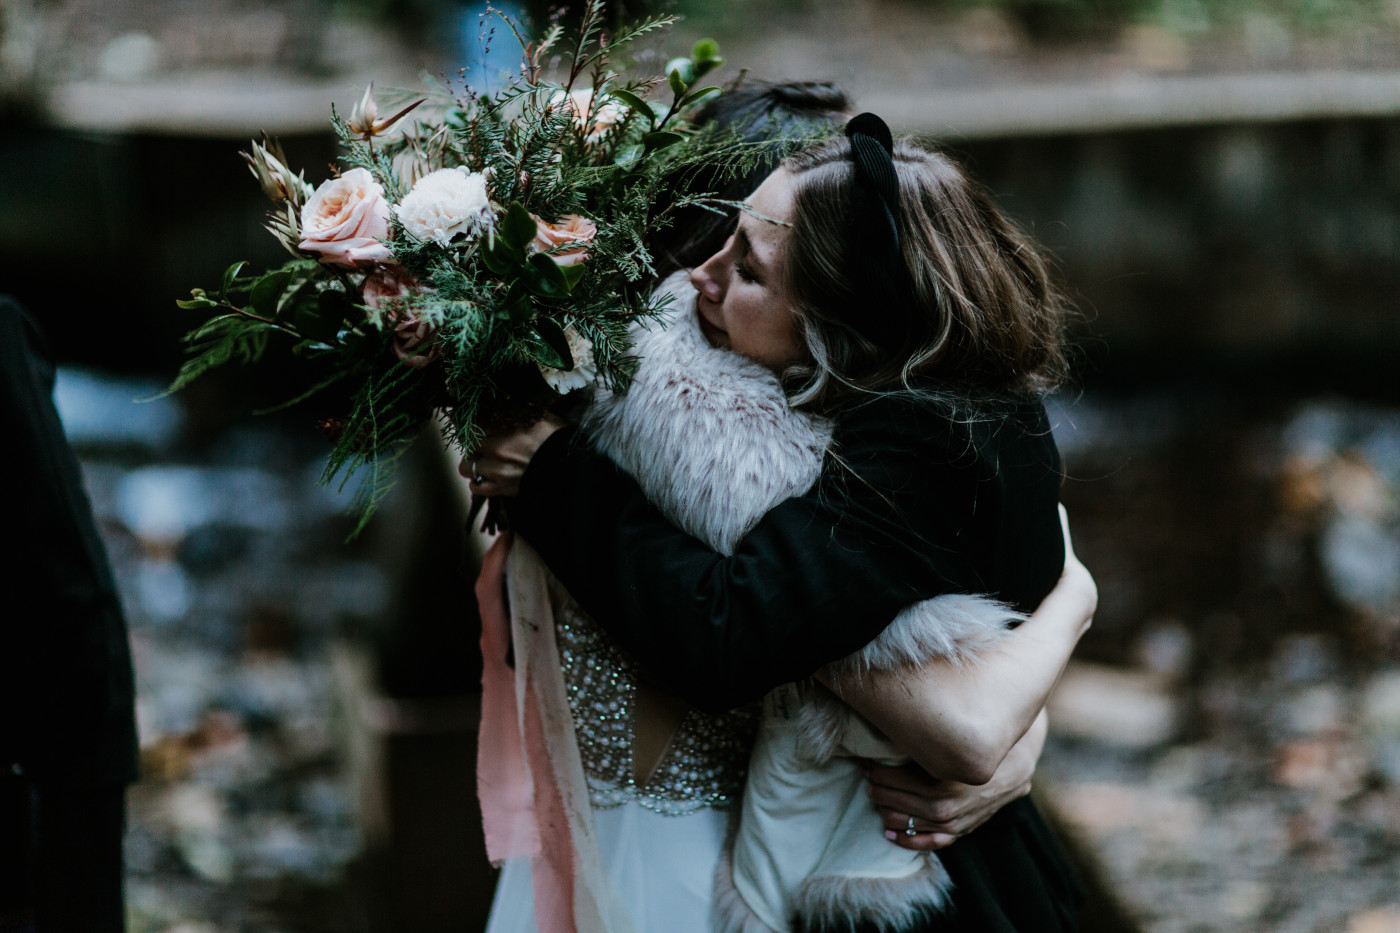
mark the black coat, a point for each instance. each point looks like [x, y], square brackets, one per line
[66, 699]
[912, 503]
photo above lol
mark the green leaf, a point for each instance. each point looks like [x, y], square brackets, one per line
[573, 274]
[626, 155]
[637, 105]
[703, 68]
[677, 80]
[705, 50]
[703, 94]
[267, 292]
[230, 274]
[545, 278]
[517, 305]
[518, 227]
[655, 141]
[502, 258]
[323, 320]
[197, 304]
[556, 342]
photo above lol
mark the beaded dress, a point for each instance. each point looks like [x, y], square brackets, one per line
[685, 431]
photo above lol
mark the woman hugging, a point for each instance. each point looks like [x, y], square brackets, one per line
[782, 619]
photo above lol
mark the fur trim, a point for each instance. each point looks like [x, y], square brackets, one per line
[822, 722]
[706, 433]
[732, 912]
[954, 627]
[888, 905]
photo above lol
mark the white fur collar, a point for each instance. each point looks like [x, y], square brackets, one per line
[707, 433]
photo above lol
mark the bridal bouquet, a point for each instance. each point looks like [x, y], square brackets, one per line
[476, 255]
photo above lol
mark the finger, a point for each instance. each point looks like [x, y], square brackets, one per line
[895, 821]
[912, 779]
[921, 842]
[923, 808]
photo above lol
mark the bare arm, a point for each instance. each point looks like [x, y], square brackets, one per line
[960, 722]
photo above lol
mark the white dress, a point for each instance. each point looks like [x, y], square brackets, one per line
[663, 867]
[684, 430]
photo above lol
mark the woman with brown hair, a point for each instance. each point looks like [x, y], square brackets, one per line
[901, 311]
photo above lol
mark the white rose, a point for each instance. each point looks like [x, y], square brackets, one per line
[446, 204]
[584, 371]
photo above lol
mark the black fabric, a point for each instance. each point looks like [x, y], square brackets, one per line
[914, 504]
[61, 856]
[66, 699]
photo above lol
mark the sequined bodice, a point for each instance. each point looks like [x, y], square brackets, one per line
[704, 765]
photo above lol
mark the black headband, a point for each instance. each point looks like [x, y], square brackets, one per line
[875, 252]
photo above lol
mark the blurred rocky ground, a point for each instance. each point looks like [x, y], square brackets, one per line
[237, 583]
[1228, 748]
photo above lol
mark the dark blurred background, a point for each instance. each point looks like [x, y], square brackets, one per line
[1220, 184]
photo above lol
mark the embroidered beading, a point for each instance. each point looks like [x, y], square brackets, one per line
[704, 765]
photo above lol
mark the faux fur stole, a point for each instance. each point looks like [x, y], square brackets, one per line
[710, 438]
[707, 433]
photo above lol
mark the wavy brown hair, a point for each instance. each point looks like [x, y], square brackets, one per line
[981, 319]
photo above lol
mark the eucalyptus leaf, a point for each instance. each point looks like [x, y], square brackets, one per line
[703, 94]
[655, 141]
[637, 105]
[502, 258]
[321, 321]
[558, 344]
[626, 155]
[517, 227]
[230, 274]
[267, 292]
[573, 274]
[705, 50]
[545, 278]
[677, 79]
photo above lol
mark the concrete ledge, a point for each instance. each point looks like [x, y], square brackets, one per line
[239, 105]
[1135, 101]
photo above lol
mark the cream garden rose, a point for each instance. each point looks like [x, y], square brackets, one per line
[595, 117]
[572, 232]
[585, 369]
[345, 220]
[445, 205]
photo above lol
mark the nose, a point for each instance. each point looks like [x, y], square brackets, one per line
[705, 280]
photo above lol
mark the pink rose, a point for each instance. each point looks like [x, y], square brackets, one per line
[387, 286]
[345, 220]
[415, 341]
[572, 231]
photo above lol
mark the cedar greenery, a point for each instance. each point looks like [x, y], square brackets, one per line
[500, 309]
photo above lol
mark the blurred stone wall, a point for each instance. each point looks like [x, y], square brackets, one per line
[1251, 251]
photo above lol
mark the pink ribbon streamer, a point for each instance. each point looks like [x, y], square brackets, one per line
[520, 800]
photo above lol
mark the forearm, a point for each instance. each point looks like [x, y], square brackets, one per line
[960, 722]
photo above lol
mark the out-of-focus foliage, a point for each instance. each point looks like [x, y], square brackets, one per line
[1085, 18]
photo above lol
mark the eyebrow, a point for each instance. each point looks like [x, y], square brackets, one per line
[747, 245]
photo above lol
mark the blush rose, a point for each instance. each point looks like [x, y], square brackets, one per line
[572, 231]
[345, 220]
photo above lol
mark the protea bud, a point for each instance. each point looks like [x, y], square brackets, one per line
[268, 164]
[364, 119]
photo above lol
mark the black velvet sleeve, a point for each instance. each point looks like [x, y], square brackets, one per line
[818, 577]
[65, 671]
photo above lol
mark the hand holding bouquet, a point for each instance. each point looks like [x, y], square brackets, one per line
[477, 261]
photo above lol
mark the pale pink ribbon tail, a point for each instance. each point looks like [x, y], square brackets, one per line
[503, 783]
[520, 799]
